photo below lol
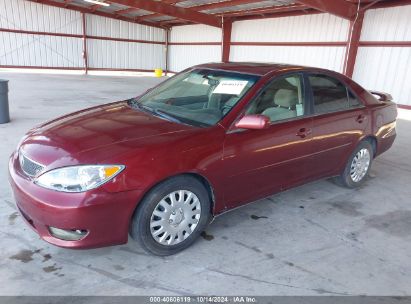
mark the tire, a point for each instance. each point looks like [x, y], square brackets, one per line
[180, 207]
[351, 178]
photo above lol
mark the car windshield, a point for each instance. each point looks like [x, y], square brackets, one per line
[199, 97]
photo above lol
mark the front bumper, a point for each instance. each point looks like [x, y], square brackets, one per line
[105, 215]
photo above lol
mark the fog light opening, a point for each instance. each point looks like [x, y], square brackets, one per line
[68, 234]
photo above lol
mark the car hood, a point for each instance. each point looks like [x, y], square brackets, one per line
[100, 132]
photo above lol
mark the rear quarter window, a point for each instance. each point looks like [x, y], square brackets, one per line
[354, 102]
[330, 95]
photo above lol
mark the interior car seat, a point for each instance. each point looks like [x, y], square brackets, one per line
[285, 102]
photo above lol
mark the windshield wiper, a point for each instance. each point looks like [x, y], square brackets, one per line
[140, 106]
[166, 115]
[156, 112]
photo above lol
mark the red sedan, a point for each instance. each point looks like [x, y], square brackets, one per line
[211, 138]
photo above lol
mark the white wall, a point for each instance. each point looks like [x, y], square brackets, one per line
[382, 68]
[309, 28]
[17, 49]
[183, 56]
[35, 50]
[386, 68]
[318, 56]
[120, 54]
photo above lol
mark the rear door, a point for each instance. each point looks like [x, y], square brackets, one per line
[339, 121]
[261, 162]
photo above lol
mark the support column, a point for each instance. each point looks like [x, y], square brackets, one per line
[85, 55]
[352, 44]
[226, 39]
[166, 50]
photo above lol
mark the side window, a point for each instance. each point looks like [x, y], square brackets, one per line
[330, 95]
[281, 99]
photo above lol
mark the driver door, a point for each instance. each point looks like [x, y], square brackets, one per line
[262, 162]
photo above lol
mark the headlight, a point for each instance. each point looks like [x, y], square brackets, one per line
[78, 178]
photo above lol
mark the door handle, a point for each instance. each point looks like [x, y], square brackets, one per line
[303, 132]
[360, 118]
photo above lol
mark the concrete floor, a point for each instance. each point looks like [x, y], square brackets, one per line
[314, 240]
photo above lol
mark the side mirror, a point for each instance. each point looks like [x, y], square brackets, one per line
[253, 122]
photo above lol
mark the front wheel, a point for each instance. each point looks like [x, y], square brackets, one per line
[171, 216]
[357, 167]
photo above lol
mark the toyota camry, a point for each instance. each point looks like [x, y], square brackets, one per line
[214, 137]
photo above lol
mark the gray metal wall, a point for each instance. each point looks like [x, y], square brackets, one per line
[321, 28]
[124, 54]
[39, 50]
[385, 64]
[20, 49]
[190, 45]
[386, 67]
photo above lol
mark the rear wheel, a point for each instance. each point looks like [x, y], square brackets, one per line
[171, 216]
[357, 167]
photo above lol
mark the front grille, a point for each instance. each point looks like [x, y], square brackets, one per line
[30, 167]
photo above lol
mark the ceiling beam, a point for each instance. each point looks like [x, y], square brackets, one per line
[172, 1]
[94, 7]
[98, 13]
[308, 11]
[126, 11]
[369, 5]
[266, 10]
[261, 12]
[149, 16]
[392, 3]
[340, 8]
[234, 13]
[173, 22]
[222, 4]
[203, 7]
[171, 10]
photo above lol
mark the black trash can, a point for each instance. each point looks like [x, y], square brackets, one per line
[4, 102]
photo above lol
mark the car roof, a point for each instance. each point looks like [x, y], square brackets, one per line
[255, 68]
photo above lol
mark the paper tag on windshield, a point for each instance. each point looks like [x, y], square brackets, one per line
[233, 87]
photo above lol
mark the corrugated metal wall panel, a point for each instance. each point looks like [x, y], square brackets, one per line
[25, 15]
[312, 28]
[325, 57]
[125, 55]
[49, 51]
[184, 56]
[386, 69]
[387, 24]
[195, 33]
[100, 26]
[41, 51]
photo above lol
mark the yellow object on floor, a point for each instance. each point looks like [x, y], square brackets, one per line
[158, 72]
